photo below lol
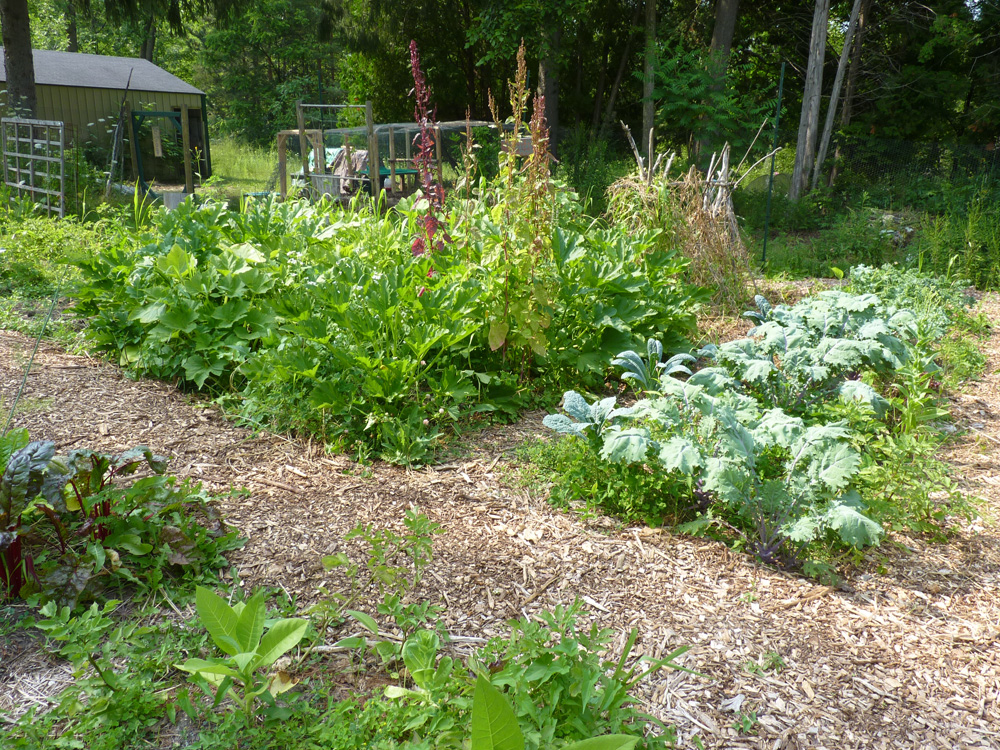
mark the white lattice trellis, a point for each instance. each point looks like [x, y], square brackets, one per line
[34, 161]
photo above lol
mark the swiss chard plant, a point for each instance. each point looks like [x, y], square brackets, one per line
[69, 526]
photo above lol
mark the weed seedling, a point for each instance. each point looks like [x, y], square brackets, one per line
[746, 723]
[768, 661]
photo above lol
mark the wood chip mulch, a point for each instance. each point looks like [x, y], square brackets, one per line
[904, 654]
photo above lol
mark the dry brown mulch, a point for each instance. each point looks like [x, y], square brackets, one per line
[905, 654]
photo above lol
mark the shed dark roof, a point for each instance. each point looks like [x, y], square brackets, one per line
[101, 72]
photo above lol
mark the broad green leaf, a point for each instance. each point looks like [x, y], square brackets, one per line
[129, 356]
[854, 527]
[680, 454]
[181, 319]
[498, 334]
[601, 411]
[857, 390]
[727, 480]
[250, 625]
[243, 660]
[576, 406]
[10, 443]
[803, 530]
[494, 725]
[248, 252]
[208, 669]
[756, 371]
[563, 424]
[836, 466]
[367, 621]
[151, 313]
[132, 544]
[629, 445]
[777, 428]
[176, 262]
[197, 369]
[218, 617]
[738, 439]
[419, 654]
[283, 636]
[713, 379]
[607, 742]
[773, 498]
[354, 641]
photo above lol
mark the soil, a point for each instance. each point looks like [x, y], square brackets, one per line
[905, 653]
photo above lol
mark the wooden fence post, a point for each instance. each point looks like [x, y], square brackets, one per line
[186, 145]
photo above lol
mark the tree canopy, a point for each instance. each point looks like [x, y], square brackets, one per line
[917, 71]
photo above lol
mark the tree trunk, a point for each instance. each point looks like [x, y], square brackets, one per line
[469, 62]
[602, 79]
[548, 85]
[851, 86]
[726, 13]
[805, 149]
[725, 27]
[73, 45]
[609, 110]
[149, 42]
[647, 77]
[18, 61]
[831, 109]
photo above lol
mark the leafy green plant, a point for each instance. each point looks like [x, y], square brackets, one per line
[788, 482]
[395, 565]
[770, 661]
[563, 687]
[802, 356]
[939, 300]
[495, 727]
[746, 722]
[566, 468]
[239, 632]
[187, 304]
[321, 320]
[79, 634]
[68, 527]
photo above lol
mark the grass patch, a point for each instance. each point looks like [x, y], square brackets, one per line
[240, 168]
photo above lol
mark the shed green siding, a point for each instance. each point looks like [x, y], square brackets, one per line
[82, 108]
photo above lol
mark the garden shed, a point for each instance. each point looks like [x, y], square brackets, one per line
[81, 90]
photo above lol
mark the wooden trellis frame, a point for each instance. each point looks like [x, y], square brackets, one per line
[34, 161]
[311, 138]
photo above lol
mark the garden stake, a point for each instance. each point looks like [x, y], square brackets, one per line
[774, 145]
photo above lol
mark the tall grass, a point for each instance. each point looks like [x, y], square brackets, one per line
[242, 166]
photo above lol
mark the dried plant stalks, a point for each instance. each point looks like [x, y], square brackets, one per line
[697, 217]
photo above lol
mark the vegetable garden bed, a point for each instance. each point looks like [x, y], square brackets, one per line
[902, 653]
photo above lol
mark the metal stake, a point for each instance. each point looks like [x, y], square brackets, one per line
[774, 145]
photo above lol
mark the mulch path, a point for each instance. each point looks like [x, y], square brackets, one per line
[904, 654]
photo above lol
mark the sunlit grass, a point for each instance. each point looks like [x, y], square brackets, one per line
[242, 168]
